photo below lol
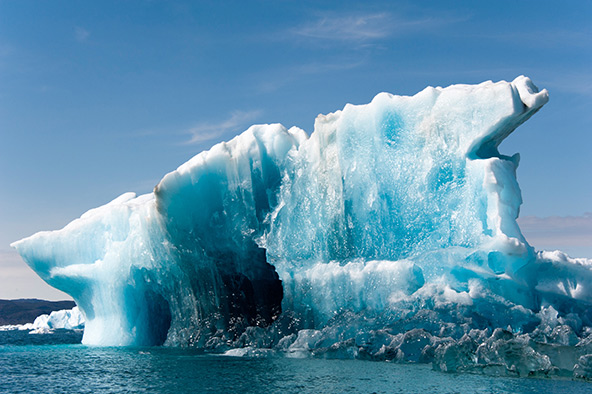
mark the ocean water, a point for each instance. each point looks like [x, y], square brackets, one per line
[55, 363]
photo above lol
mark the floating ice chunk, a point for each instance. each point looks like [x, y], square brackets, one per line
[583, 368]
[68, 319]
[249, 352]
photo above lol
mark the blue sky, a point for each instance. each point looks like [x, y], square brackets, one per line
[100, 98]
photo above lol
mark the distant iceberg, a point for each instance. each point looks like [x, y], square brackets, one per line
[390, 233]
[67, 319]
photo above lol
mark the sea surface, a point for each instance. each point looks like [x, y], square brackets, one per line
[58, 363]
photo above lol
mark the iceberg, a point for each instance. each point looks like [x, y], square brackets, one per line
[389, 233]
[66, 319]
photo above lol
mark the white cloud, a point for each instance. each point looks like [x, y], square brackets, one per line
[346, 27]
[333, 31]
[361, 28]
[81, 34]
[208, 131]
[572, 234]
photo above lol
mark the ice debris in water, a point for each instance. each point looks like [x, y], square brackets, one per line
[388, 234]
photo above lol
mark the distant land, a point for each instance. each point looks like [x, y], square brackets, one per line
[26, 310]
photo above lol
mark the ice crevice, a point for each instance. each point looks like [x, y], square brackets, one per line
[389, 233]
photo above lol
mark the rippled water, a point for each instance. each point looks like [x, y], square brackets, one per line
[75, 368]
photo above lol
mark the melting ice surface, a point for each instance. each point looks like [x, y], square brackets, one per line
[390, 234]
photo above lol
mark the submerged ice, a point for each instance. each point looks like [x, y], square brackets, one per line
[390, 233]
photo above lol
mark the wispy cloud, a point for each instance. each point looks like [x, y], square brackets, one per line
[347, 40]
[81, 34]
[346, 27]
[362, 28]
[569, 233]
[208, 131]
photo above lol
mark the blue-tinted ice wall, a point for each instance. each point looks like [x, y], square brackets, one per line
[381, 201]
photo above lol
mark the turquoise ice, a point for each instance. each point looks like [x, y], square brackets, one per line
[389, 211]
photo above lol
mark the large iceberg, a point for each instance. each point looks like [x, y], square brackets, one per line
[389, 233]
